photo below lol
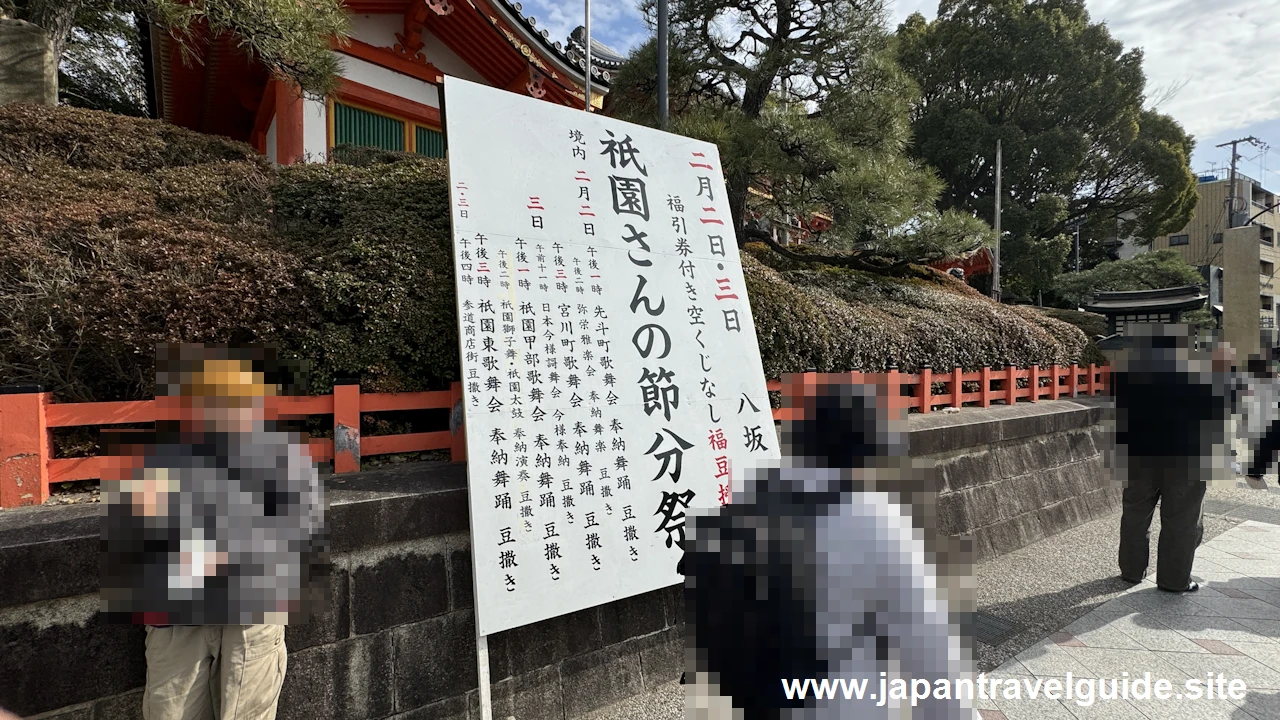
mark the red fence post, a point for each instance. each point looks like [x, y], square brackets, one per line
[457, 424]
[1011, 384]
[1034, 382]
[346, 426]
[985, 400]
[1053, 381]
[24, 446]
[1092, 379]
[925, 390]
[957, 394]
[1074, 382]
[894, 381]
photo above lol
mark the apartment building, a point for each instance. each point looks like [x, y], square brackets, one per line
[1232, 251]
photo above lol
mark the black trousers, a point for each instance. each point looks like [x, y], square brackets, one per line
[1265, 453]
[1177, 485]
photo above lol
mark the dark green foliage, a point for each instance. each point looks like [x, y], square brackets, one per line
[1066, 100]
[118, 233]
[835, 319]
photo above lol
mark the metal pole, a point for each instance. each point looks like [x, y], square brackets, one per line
[586, 45]
[663, 102]
[995, 283]
[1077, 247]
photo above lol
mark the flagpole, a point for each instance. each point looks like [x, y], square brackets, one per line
[586, 31]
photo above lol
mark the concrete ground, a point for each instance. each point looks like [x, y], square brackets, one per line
[1229, 627]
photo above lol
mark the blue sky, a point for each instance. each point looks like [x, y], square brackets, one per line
[1225, 51]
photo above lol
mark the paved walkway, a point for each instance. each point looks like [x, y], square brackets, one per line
[1230, 626]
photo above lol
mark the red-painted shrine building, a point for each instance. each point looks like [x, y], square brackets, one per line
[393, 68]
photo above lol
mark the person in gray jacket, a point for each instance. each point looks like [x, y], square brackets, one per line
[828, 567]
[213, 537]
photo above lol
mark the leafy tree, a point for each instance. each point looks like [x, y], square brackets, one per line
[101, 68]
[290, 37]
[809, 111]
[1146, 271]
[1066, 101]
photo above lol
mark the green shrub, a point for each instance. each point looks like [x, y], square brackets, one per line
[117, 233]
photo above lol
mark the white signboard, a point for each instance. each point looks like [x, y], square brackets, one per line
[611, 374]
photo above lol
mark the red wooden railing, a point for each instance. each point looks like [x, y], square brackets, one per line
[28, 468]
[994, 386]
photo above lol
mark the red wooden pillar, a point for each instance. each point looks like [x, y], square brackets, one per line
[24, 446]
[925, 390]
[1011, 384]
[957, 386]
[346, 426]
[1074, 382]
[457, 424]
[985, 400]
[1034, 383]
[1093, 385]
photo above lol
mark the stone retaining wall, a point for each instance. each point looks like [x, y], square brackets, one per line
[399, 638]
[1014, 475]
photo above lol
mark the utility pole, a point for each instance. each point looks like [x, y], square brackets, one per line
[995, 279]
[1231, 191]
[1077, 247]
[586, 48]
[663, 103]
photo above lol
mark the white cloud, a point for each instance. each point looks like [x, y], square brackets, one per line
[1226, 51]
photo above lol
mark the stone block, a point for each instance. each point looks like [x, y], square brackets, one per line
[119, 707]
[435, 659]
[63, 568]
[331, 624]
[1054, 518]
[552, 640]
[596, 679]
[953, 514]
[632, 617]
[64, 654]
[386, 520]
[398, 589]
[673, 604]
[1053, 488]
[1019, 495]
[982, 549]
[661, 657]
[952, 437]
[461, 581]
[968, 470]
[535, 694]
[348, 680]
[1014, 533]
[982, 507]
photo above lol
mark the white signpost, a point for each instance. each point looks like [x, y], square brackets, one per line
[611, 374]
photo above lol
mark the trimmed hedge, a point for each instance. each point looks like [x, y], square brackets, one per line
[117, 233]
[835, 319]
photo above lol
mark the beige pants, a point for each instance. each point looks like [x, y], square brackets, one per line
[214, 672]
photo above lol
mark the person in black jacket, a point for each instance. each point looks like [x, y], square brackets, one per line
[1172, 407]
[827, 567]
